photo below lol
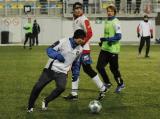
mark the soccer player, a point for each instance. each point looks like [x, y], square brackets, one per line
[36, 31]
[110, 49]
[28, 33]
[145, 31]
[61, 56]
[82, 22]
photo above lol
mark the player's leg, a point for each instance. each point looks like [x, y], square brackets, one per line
[30, 40]
[33, 39]
[147, 46]
[114, 67]
[92, 74]
[43, 81]
[103, 60]
[95, 78]
[37, 40]
[142, 41]
[26, 39]
[86, 64]
[75, 80]
[60, 79]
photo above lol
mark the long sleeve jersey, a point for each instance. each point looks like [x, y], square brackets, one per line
[64, 47]
[83, 23]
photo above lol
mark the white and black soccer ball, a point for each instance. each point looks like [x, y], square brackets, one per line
[95, 106]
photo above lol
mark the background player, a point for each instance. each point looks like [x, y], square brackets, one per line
[145, 31]
[36, 31]
[28, 33]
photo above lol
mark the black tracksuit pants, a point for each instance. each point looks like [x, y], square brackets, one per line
[35, 39]
[105, 58]
[46, 77]
[28, 36]
[142, 42]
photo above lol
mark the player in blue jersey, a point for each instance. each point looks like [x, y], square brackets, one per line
[61, 56]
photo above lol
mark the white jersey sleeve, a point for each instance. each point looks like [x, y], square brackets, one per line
[117, 27]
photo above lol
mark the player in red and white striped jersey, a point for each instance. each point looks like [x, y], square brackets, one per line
[80, 21]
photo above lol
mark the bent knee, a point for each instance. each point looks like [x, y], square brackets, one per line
[61, 89]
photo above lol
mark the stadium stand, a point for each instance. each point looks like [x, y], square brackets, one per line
[96, 7]
[60, 11]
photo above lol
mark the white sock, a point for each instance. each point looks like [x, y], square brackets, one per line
[98, 82]
[75, 87]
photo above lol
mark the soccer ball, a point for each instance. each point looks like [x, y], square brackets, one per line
[95, 106]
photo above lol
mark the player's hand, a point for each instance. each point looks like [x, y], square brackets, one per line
[60, 58]
[138, 35]
[151, 35]
[109, 43]
[26, 28]
[100, 44]
[103, 39]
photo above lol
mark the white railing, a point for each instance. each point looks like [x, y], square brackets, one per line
[57, 8]
[98, 8]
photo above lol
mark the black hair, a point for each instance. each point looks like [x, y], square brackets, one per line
[79, 34]
[145, 16]
[77, 5]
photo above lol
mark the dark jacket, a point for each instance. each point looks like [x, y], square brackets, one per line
[36, 28]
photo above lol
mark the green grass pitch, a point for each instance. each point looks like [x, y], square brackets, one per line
[20, 69]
